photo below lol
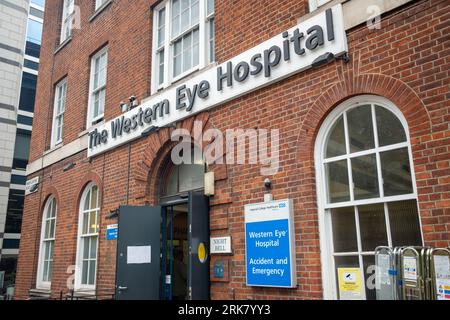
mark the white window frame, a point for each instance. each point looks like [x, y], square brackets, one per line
[330, 290]
[91, 120]
[67, 17]
[36, 6]
[40, 283]
[208, 18]
[80, 248]
[169, 44]
[99, 3]
[58, 99]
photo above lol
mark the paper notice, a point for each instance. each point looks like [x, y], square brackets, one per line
[139, 255]
[442, 266]
[410, 268]
[383, 267]
[442, 274]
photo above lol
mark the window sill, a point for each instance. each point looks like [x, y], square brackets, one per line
[83, 133]
[40, 293]
[83, 294]
[99, 10]
[185, 74]
[185, 77]
[92, 127]
[62, 45]
[52, 149]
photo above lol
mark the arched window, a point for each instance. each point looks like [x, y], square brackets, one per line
[186, 176]
[47, 244]
[366, 189]
[88, 227]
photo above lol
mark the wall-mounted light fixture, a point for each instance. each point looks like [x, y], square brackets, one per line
[69, 167]
[149, 131]
[152, 129]
[323, 60]
[34, 187]
[327, 58]
[171, 125]
[133, 101]
[113, 214]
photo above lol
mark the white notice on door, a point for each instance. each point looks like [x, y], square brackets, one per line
[139, 255]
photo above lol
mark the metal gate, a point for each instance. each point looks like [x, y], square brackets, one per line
[386, 276]
[412, 273]
[437, 284]
[412, 276]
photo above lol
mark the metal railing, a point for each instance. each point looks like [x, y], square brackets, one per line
[80, 295]
[76, 295]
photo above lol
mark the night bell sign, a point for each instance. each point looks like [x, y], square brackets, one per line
[220, 245]
[269, 244]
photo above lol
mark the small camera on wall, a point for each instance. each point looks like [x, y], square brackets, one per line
[268, 183]
[133, 102]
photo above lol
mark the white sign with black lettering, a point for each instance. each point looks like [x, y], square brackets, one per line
[295, 50]
[221, 245]
[32, 186]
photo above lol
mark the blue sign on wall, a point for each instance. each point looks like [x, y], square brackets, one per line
[111, 232]
[269, 238]
[218, 269]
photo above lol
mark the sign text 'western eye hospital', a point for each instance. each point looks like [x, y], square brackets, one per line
[273, 60]
[269, 244]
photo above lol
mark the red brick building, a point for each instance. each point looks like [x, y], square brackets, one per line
[379, 120]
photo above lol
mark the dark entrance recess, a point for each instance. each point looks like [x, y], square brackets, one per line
[178, 234]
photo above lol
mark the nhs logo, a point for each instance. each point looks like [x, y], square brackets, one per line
[282, 205]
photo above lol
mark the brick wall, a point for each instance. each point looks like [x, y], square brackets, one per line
[127, 33]
[406, 61]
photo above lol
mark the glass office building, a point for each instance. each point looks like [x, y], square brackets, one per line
[19, 61]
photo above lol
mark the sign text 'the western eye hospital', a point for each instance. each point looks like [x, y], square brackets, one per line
[281, 56]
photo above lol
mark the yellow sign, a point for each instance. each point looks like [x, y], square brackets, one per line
[202, 255]
[350, 287]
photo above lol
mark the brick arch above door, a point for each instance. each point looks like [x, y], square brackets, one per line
[147, 172]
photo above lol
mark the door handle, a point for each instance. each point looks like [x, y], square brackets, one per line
[122, 288]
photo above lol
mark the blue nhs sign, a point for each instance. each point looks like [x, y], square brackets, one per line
[269, 244]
